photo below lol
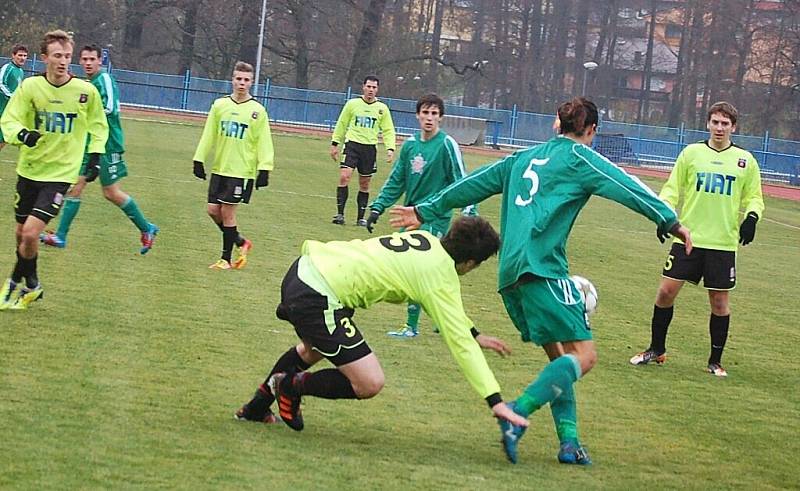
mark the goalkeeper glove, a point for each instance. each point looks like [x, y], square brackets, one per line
[372, 219]
[28, 138]
[262, 180]
[92, 167]
[747, 230]
[199, 170]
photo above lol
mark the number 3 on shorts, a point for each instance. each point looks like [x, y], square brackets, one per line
[349, 328]
[534, 178]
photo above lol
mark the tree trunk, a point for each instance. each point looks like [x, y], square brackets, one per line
[301, 17]
[366, 42]
[560, 42]
[189, 31]
[251, 24]
[678, 89]
[644, 98]
[433, 73]
[472, 91]
[578, 71]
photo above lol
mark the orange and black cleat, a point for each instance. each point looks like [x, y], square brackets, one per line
[288, 400]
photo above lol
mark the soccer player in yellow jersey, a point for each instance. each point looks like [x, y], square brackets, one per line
[50, 116]
[714, 180]
[330, 280]
[358, 126]
[238, 127]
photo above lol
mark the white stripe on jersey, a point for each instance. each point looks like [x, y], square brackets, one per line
[105, 79]
[3, 87]
[455, 156]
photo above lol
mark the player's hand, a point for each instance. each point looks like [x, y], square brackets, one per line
[662, 235]
[502, 411]
[199, 170]
[262, 180]
[335, 153]
[92, 167]
[28, 138]
[389, 156]
[372, 219]
[747, 230]
[404, 216]
[683, 233]
[495, 344]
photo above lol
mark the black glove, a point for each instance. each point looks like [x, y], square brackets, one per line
[28, 138]
[662, 235]
[199, 170]
[372, 219]
[262, 180]
[747, 230]
[92, 167]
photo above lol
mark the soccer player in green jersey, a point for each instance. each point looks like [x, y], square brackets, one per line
[11, 75]
[428, 162]
[358, 126]
[238, 127]
[50, 116]
[712, 180]
[544, 188]
[322, 289]
[112, 166]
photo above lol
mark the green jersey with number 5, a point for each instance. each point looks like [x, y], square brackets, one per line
[401, 267]
[544, 188]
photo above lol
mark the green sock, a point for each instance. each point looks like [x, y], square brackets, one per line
[131, 209]
[412, 320]
[68, 213]
[565, 416]
[555, 379]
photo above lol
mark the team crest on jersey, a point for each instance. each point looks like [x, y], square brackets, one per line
[380, 111]
[418, 164]
[83, 98]
[742, 163]
[255, 115]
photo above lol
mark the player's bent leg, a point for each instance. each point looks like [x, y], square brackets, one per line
[365, 375]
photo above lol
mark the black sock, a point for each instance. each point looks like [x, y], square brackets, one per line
[31, 275]
[662, 316]
[228, 238]
[220, 226]
[19, 269]
[329, 383]
[288, 362]
[362, 199]
[718, 328]
[239, 240]
[342, 192]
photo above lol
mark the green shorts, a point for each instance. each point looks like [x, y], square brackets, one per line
[547, 310]
[112, 168]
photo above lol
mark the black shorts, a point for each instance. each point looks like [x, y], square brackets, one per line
[310, 313]
[229, 190]
[360, 156]
[41, 199]
[716, 268]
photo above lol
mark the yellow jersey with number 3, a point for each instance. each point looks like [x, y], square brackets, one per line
[402, 267]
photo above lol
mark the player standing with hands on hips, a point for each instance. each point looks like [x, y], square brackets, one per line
[358, 126]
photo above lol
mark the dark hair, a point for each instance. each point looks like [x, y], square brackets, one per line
[577, 115]
[93, 47]
[371, 78]
[57, 36]
[242, 66]
[725, 108]
[431, 100]
[471, 238]
[17, 48]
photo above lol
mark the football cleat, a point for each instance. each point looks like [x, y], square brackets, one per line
[338, 219]
[647, 356]
[244, 414]
[717, 370]
[9, 294]
[221, 264]
[241, 260]
[510, 435]
[52, 239]
[362, 222]
[288, 400]
[148, 237]
[573, 453]
[26, 297]
[404, 332]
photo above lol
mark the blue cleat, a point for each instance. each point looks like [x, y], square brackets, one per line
[404, 332]
[53, 240]
[510, 435]
[148, 237]
[573, 453]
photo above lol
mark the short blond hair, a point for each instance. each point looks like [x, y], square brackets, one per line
[57, 36]
[241, 66]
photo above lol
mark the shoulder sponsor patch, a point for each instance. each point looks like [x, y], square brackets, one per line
[742, 163]
[83, 98]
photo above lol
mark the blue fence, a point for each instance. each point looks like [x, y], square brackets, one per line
[625, 143]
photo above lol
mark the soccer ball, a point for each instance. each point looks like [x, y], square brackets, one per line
[588, 292]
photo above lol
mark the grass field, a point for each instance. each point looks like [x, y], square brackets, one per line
[127, 374]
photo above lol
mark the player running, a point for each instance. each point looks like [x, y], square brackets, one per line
[112, 165]
[358, 126]
[50, 116]
[714, 179]
[429, 161]
[330, 280]
[544, 188]
[11, 75]
[238, 127]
